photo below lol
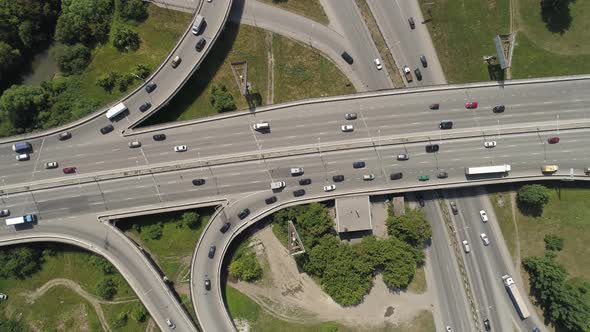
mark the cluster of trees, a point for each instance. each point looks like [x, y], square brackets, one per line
[221, 99]
[244, 265]
[25, 28]
[566, 301]
[19, 262]
[154, 231]
[345, 271]
[123, 80]
[137, 313]
[531, 199]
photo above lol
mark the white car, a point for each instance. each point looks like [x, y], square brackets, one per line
[22, 156]
[347, 128]
[483, 215]
[378, 64]
[485, 239]
[3, 296]
[331, 187]
[170, 324]
[466, 246]
[449, 329]
[51, 164]
[489, 144]
[180, 148]
[368, 177]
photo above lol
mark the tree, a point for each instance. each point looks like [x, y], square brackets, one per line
[19, 262]
[72, 60]
[142, 71]
[152, 232]
[10, 58]
[133, 9]
[191, 220]
[108, 81]
[125, 81]
[84, 21]
[532, 197]
[125, 39]
[19, 106]
[221, 99]
[573, 308]
[139, 313]
[411, 227]
[120, 320]
[553, 242]
[321, 255]
[246, 267]
[547, 278]
[106, 288]
[104, 265]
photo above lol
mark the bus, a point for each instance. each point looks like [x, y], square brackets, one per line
[487, 170]
[116, 110]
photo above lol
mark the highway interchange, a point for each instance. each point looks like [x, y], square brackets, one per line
[70, 210]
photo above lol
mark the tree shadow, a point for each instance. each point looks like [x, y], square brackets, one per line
[557, 15]
[528, 210]
[496, 72]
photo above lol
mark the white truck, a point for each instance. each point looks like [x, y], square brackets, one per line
[515, 296]
[277, 185]
[487, 170]
[21, 220]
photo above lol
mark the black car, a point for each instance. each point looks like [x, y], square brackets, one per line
[151, 86]
[486, 324]
[200, 44]
[358, 164]
[270, 200]
[423, 60]
[243, 214]
[145, 106]
[432, 148]
[350, 116]
[454, 208]
[442, 175]
[64, 136]
[418, 74]
[159, 137]
[198, 182]
[420, 200]
[106, 129]
[207, 284]
[434, 106]
[338, 178]
[411, 23]
[304, 182]
[498, 109]
[212, 251]
[347, 58]
[299, 193]
[446, 125]
[396, 176]
[225, 227]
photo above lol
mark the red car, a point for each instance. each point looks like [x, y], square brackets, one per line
[69, 170]
[553, 140]
[471, 104]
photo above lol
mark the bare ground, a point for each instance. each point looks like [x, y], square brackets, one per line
[294, 296]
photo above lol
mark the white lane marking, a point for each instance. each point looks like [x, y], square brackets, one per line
[95, 203]
[100, 162]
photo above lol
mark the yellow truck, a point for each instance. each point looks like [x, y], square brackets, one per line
[549, 168]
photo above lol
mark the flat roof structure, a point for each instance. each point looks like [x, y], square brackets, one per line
[353, 214]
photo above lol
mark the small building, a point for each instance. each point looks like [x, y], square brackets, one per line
[353, 216]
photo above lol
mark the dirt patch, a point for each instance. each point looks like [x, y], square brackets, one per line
[294, 296]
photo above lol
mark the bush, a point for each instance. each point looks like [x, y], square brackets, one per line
[553, 242]
[133, 9]
[532, 197]
[142, 71]
[120, 320]
[125, 81]
[106, 288]
[108, 81]
[125, 39]
[245, 267]
[411, 227]
[152, 232]
[221, 99]
[72, 60]
[12, 326]
[104, 265]
[191, 220]
[139, 313]
[19, 262]
[19, 106]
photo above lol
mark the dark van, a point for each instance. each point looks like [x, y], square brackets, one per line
[22, 147]
[347, 58]
[446, 125]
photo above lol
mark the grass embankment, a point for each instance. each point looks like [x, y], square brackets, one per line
[241, 307]
[545, 51]
[159, 33]
[309, 8]
[300, 73]
[463, 32]
[567, 215]
[59, 306]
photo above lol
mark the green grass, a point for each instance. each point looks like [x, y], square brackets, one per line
[463, 32]
[174, 249]
[503, 210]
[418, 284]
[59, 309]
[567, 215]
[242, 307]
[159, 33]
[309, 8]
[301, 73]
[112, 311]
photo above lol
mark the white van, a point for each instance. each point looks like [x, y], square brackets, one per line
[261, 126]
[22, 156]
[198, 24]
[116, 110]
[296, 170]
[276, 185]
